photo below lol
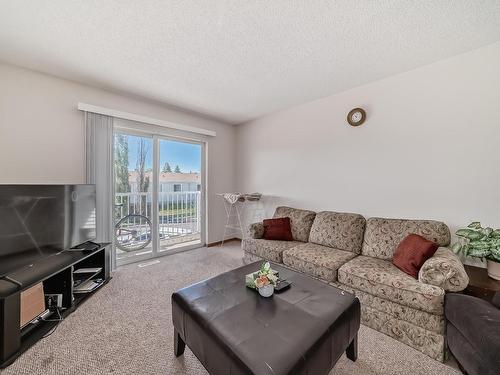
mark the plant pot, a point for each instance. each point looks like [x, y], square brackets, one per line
[266, 291]
[493, 269]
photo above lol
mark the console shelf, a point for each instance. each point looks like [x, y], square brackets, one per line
[80, 278]
[56, 274]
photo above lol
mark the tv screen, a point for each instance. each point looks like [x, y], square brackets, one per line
[40, 220]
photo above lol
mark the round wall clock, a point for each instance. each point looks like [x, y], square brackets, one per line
[356, 116]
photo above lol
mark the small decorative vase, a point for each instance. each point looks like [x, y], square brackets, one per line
[266, 290]
[493, 269]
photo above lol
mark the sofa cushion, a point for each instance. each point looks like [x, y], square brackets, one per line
[316, 260]
[277, 229]
[343, 231]
[478, 321]
[300, 221]
[382, 279]
[267, 249]
[412, 252]
[382, 236]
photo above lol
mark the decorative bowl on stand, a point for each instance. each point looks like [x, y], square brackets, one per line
[266, 290]
[263, 280]
[493, 269]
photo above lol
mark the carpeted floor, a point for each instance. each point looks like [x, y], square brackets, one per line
[126, 328]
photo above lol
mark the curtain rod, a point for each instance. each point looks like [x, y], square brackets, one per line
[139, 118]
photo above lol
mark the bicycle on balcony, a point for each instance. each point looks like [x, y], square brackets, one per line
[133, 232]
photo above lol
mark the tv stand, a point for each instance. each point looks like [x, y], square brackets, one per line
[86, 246]
[7, 278]
[56, 274]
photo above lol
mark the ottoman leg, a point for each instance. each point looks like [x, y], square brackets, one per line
[179, 344]
[352, 350]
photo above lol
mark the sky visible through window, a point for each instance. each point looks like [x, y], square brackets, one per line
[186, 155]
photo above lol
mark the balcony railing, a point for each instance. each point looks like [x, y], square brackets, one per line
[178, 212]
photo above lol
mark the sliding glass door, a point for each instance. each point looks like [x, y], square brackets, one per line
[179, 194]
[133, 196]
[158, 195]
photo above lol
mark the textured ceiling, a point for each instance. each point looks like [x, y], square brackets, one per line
[238, 60]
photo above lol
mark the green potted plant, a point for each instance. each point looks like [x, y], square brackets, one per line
[478, 242]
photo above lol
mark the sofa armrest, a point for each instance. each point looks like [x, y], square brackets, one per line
[256, 230]
[444, 270]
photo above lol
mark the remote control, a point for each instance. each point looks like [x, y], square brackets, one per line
[282, 285]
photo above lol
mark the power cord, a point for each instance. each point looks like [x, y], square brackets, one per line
[59, 319]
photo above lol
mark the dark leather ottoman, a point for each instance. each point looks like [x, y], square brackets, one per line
[233, 330]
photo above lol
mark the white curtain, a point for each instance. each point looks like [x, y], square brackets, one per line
[99, 157]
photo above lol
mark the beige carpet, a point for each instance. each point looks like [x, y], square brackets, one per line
[126, 328]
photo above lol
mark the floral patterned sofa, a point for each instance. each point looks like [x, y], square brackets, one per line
[355, 254]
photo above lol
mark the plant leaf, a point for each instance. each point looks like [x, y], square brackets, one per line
[262, 269]
[479, 253]
[470, 234]
[486, 231]
[494, 254]
[495, 233]
[457, 248]
[480, 245]
[463, 232]
[465, 249]
[474, 225]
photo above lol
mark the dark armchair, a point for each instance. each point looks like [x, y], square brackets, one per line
[473, 333]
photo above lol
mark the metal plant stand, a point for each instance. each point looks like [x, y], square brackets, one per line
[234, 205]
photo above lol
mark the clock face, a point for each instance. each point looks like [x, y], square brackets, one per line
[356, 117]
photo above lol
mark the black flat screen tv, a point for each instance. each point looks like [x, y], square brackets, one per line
[37, 221]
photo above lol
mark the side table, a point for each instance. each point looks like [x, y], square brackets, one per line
[480, 284]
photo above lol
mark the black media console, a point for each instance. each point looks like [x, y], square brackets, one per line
[56, 273]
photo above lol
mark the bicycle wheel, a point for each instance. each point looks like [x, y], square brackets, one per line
[133, 233]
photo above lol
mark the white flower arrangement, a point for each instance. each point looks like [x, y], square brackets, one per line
[265, 276]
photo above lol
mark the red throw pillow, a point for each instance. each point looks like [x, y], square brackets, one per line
[278, 229]
[412, 253]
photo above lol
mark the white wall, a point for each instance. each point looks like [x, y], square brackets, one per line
[430, 147]
[42, 134]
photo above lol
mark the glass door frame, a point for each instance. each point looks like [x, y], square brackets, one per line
[157, 138]
[143, 130]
